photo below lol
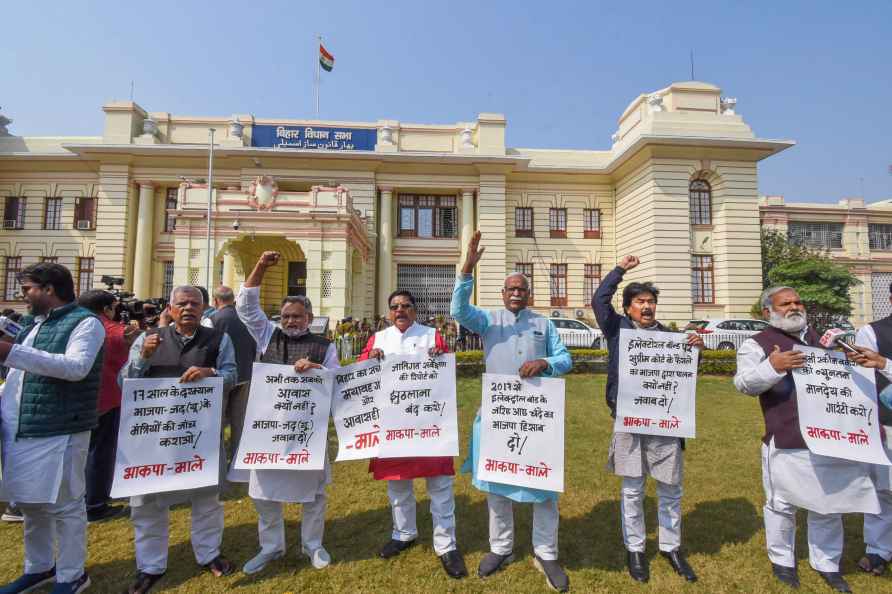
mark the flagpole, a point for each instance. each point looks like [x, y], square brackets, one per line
[318, 76]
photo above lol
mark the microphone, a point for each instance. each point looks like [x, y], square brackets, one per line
[9, 328]
[834, 337]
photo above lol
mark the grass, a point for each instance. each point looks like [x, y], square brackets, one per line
[722, 529]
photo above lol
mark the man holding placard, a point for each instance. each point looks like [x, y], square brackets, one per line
[634, 455]
[406, 337]
[516, 342]
[190, 352]
[792, 476]
[289, 344]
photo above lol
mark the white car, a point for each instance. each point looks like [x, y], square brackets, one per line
[726, 335]
[577, 334]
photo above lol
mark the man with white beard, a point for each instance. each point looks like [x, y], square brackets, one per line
[792, 476]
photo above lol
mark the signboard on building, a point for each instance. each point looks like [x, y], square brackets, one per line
[314, 137]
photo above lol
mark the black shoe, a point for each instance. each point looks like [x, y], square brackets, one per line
[493, 562]
[220, 566]
[144, 582]
[873, 564]
[106, 512]
[555, 576]
[680, 565]
[787, 575]
[835, 580]
[454, 564]
[12, 514]
[637, 564]
[394, 547]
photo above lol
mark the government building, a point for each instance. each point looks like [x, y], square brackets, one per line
[360, 208]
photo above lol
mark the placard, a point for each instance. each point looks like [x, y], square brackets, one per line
[356, 412]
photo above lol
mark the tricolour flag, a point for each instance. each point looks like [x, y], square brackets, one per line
[326, 60]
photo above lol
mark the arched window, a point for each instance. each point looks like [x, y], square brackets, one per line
[700, 195]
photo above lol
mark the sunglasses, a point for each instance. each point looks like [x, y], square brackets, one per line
[396, 306]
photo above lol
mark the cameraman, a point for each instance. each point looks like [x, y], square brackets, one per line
[104, 438]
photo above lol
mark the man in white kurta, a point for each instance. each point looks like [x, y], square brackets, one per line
[792, 476]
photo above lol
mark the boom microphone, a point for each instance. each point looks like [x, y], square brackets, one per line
[834, 337]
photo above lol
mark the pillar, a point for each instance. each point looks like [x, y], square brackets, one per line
[385, 248]
[142, 257]
[467, 227]
[229, 272]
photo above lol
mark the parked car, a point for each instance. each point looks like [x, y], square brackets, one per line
[577, 334]
[726, 335]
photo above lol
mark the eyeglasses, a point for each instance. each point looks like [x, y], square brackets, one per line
[396, 306]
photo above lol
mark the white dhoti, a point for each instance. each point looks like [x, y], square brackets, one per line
[826, 487]
[878, 527]
[403, 506]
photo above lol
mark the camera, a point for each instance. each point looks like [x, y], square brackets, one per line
[235, 225]
[144, 311]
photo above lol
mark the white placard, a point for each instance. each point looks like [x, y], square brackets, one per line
[837, 402]
[355, 409]
[169, 436]
[286, 422]
[522, 432]
[418, 411]
[657, 384]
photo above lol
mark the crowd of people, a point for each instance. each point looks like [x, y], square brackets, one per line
[60, 410]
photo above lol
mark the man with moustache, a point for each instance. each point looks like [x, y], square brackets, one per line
[516, 341]
[634, 456]
[405, 337]
[792, 476]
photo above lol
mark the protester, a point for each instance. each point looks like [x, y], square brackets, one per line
[104, 438]
[206, 310]
[190, 352]
[225, 319]
[290, 344]
[47, 409]
[634, 456]
[516, 341]
[826, 487]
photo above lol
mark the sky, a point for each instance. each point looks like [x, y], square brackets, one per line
[819, 73]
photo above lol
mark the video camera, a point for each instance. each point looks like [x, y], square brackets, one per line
[144, 311]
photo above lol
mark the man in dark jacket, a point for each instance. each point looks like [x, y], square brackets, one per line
[634, 456]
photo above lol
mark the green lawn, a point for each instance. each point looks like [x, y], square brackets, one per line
[722, 521]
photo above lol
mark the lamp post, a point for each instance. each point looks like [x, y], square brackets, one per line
[208, 285]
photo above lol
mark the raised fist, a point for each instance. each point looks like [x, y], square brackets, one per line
[629, 262]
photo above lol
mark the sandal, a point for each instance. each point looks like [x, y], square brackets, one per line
[220, 566]
[874, 564]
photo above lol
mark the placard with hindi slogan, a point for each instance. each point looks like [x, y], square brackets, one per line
[418, 411]
[169, 436]
[522, 432]
[356, 411]
[657, 383]
[286, 422]
[837, 402]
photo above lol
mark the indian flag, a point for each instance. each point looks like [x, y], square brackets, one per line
[326, 60]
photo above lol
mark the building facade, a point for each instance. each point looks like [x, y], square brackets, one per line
[364, 207]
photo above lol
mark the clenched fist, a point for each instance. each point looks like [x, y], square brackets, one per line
[629, 262]
[150, 345]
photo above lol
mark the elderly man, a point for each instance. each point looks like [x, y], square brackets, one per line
[290, 344]
[405, 337]
[633, 456]
[792, 476]
[516, 341]
[190, 352]
[48, 407]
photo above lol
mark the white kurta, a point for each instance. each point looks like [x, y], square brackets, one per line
[33, 467]
[818, 483]
[293, 486]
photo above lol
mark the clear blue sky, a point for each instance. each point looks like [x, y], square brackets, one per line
[562, 72]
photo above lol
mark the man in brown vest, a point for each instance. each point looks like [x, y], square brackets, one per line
[792, 476]
[291, 343]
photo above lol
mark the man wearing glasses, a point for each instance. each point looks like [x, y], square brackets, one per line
[406, 337]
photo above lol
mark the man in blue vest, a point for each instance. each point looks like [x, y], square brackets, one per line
[48, 408]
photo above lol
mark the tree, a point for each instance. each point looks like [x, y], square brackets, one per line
[777, 250]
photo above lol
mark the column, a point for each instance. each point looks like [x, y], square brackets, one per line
[229, 272]
[142, 257]
[385, 248]
[467, 228]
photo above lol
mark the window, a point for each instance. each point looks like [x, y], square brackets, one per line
[170, 205]
[84, 274]
[880, 236]
[85, 213]
[50, 259]
[702, 286]
[12, 288]
[822, 236]
[14, 213]
[523, 221]
[557, 222]
[327, 284]
[559, 284]
[591, 218]
[592, 280]
[167, 286]
[700, 195]
[526, 269]
[431, 284]
[52, 213]
[427, 216]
